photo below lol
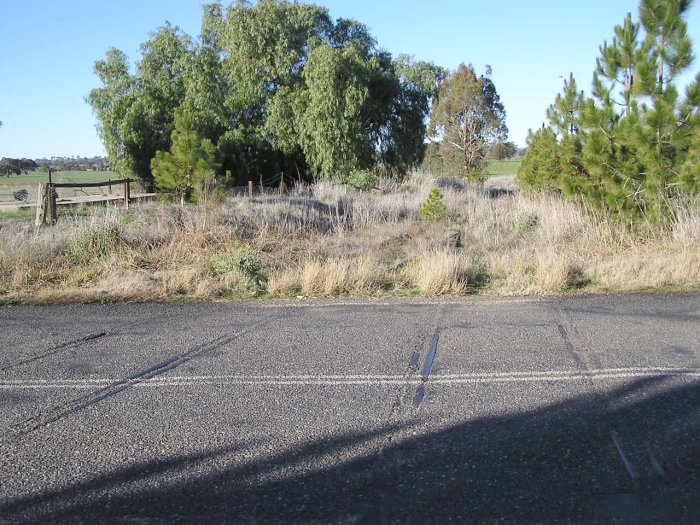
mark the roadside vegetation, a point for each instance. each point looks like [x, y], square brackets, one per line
[331, 240]
[381, 175]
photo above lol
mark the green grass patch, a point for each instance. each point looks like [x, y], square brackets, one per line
[95, 243]
[23, 214]
[503, 167]
[10, 185]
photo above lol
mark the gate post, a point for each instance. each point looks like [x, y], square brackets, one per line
[50, 207]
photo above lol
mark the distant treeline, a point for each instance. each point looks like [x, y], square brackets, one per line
[10, 166]
[75, 163]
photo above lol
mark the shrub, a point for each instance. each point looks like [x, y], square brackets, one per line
[97, 242]
[362, 180]
[240, 261]
[476, 176]
[20, 195]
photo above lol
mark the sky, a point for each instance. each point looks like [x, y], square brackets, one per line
[48, 49]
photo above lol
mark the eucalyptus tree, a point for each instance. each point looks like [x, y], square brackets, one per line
[329, 116]
[111, 105]
[135, 112]
[467, 118]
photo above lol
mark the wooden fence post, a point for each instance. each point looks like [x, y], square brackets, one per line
[126, 194]
[39, 206]
[250, 189]
[50, 207]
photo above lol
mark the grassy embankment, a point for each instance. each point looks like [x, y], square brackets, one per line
[327, 240]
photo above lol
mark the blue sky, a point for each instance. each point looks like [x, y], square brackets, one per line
[48, 48]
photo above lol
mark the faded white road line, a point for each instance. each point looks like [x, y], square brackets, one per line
[360, 379]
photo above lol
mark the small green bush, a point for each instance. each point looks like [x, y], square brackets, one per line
[527, 224]
[242, 261]
[433, 209]
[362, 180]
[476, 176]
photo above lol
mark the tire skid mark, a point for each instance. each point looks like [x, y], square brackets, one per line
[73, 406]
[406, 381]
[130, 327]
[374, 511]
[427, 368]
[588, 368]
[626, 461]
[55, 350]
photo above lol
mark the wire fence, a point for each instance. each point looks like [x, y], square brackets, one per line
[26, 193]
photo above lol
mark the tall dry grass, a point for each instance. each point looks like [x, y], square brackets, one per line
[327, 239]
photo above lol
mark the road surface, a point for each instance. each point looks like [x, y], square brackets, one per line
[582, 409]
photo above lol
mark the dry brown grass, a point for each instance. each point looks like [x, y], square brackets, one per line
[439, 272]
[327, 240]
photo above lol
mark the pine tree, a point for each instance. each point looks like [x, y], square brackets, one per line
[189, 166]
[433, 209]
[636, 150]
[564, 114]
[690, 115]
[539, 170]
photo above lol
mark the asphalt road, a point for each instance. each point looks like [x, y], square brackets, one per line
[576, 410]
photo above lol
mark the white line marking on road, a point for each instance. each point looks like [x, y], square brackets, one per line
[357, 379]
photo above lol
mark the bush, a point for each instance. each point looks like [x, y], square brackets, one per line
[362, 180]
[240, 261]
[20, 195]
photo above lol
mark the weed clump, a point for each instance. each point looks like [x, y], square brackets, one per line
[240, 261]
[95, 242]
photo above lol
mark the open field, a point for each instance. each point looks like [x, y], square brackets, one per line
[57, 176]
[328, 240]
[503, 167]
[29, 182]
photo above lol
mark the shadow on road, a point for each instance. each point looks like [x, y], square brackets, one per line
[554, 464]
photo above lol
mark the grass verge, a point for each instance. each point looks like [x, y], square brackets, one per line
[328, 240]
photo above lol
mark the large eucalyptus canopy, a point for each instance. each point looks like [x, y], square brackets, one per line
[278, 87]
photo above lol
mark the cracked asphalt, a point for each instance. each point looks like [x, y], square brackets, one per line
[560, 410]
